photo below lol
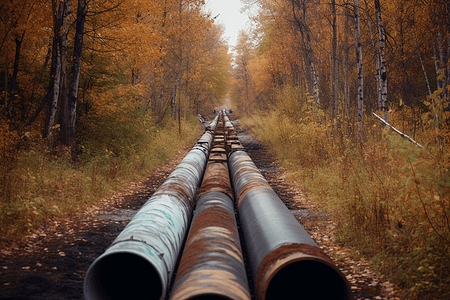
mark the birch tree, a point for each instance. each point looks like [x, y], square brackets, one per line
[383, 71]
[299, 9]
[76, 69]
[61, 16]
[359, 67]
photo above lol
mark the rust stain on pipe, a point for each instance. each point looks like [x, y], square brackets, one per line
[216, 177]
[212, 264]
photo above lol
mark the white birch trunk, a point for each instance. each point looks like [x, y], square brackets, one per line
[76, 68]
[359, 66]
[54, 98]
[422, 65]
[61, 21]
[383, 70]
[313, 71]
[310, 56]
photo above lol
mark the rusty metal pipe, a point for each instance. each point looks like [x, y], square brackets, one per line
[212, 264]
[284, 260]
[141, 260]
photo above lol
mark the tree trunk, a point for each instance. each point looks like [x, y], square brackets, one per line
[447, 10]
[310, 56]
[6, 83]
[335, 73]
[64, 99]
[53, 92]
[305, 31]
[13, 86]
[76, 69]
[55, 73]
[383, 71]
[60, 23]
[376, 57]
[161, 111]
[359, 66]
[173, 97]
[422, 65]
[247, 88]
[312, 68]
[181, 66]
[346, 65]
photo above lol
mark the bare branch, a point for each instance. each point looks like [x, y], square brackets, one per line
[397, 131]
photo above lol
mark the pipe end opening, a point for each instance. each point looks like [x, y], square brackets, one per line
[122, 276]
[311, 279]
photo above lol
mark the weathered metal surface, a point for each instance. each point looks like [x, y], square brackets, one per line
[213, 125]
[282, 256]
[227, 122]
[216, 177]
[142, 258]
[212, 264]
[231, 138]
[218, 150]
[217, 157]
[219, 141]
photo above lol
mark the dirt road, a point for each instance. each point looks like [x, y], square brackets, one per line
[51, 263]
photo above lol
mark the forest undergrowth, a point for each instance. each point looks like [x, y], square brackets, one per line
[122, 144]
[389, 197]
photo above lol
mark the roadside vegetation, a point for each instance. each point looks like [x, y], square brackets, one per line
[39, 184]
[389, 197]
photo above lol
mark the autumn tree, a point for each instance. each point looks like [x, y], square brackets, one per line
[61, 62]
[243, 87]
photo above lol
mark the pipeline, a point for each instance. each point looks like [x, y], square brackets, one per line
[212, 264]
[284, 260]
[141, 260]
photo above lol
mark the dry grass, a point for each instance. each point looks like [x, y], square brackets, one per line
[36, 185]
[389, 197]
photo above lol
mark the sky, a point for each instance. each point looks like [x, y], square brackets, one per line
[229, 16]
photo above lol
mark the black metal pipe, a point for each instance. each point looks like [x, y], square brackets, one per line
[284, 260]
